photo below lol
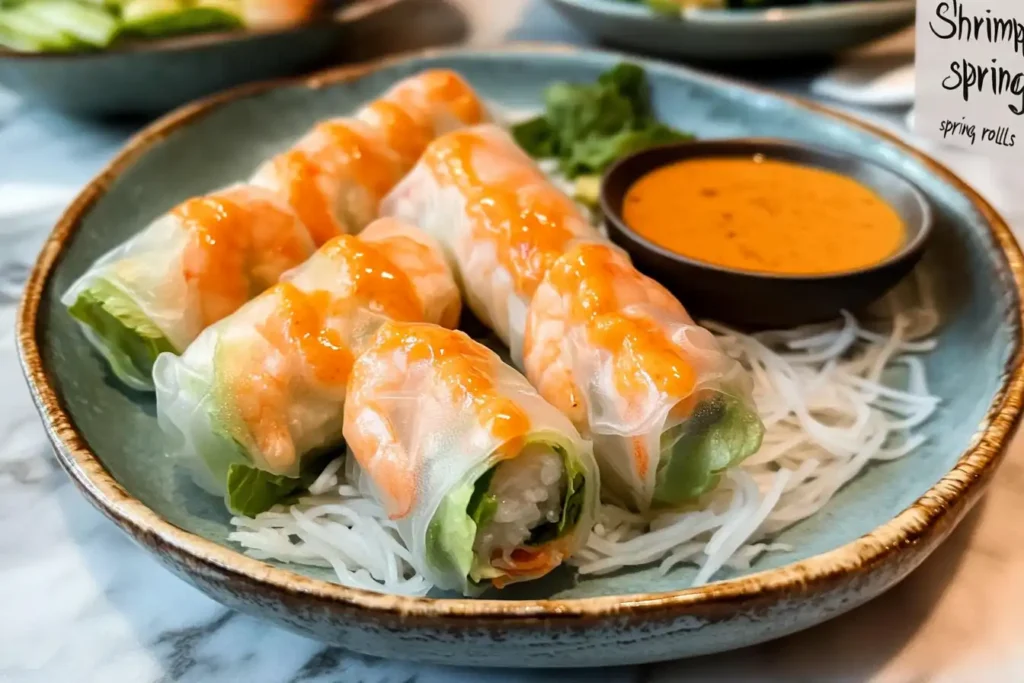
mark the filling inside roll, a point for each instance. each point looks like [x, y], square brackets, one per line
[717, 433]
[512, 522]
[126, 336]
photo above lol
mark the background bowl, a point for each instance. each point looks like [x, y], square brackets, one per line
[872, 533]
[738, 34]
[153, 76]
[764, 300]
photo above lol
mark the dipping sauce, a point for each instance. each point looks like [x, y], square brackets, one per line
[760, 215]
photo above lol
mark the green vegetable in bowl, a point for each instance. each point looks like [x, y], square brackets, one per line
[589, 126]
[72, 25]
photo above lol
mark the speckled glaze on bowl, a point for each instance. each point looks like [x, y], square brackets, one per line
[154, 76]
[738, 34]
[869, 537]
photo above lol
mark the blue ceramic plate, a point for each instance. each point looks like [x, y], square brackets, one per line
[738, 34]
[869, 537]
[154, 76]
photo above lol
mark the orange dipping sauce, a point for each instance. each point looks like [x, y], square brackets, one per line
[766, 216]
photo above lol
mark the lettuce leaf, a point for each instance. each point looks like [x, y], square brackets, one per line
[250, 490]
[595, 153]
[130, 340]
[572, 502]
[589, 126]
[483, 504]
[720, 433]
[162, 18]
[451, 533]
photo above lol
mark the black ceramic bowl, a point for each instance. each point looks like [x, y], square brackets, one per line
[762, 300]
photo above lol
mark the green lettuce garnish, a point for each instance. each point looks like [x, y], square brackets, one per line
[721, 433]
[572, 503]
[251, 491]
[452, 531]
[483, 504]
[589, 126]
[130, 339]
[163, 18]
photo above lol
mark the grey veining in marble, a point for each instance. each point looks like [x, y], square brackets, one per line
[82, 604]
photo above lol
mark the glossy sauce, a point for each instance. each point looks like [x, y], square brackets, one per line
[511, 204]
[462, 368]
[764, 216]
[406, 134]
[600, 284]
[304, 330]
[444, 89]
[237, 245]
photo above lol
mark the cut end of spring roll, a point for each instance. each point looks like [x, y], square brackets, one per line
[667, 410]
[126, 337]
[188, 269]
[511, 524]
[720, 433]
[488, 483]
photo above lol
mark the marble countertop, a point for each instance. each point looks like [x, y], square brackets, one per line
[83, 603]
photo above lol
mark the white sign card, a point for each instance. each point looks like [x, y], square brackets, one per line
[969, 70]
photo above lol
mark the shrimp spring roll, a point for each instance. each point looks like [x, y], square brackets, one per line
[191, 267]
[336, 175]
[253, 401]
[488, 483]
[667, 410]
[501, 221]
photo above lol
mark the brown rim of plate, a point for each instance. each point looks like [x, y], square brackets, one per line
[355, 10]
[925, 522]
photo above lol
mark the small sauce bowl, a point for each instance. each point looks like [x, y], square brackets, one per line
[765, 300]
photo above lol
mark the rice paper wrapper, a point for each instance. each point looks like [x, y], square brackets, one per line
[154, 274]
[417, 439]
[667, 410]
[247, 393]
[499, 261]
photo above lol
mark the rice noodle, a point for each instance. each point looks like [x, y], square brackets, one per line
[829, 409]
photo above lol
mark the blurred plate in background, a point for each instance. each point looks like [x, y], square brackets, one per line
[152, 77]
[738, 34]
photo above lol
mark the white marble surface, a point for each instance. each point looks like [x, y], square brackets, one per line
[81, 603]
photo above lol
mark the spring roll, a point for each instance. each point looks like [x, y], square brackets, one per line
[488, 483]
[667, 410]
[335, 176]
[501, 221]
[257, 397]
[190, 268]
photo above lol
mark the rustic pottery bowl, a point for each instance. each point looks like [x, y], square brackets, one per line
[767, 300]
[153, 76]
[870, 536]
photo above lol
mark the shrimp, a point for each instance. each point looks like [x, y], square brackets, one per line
[446, 368]
[501, 221]
[599, 345]
[240, 241]
[288, 379]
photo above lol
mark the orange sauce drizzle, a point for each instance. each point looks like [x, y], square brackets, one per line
[601, 284]
[403, 132]
[236, 246]
[302, 330]
[519, 212]
[465, 369]
[445, 88]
